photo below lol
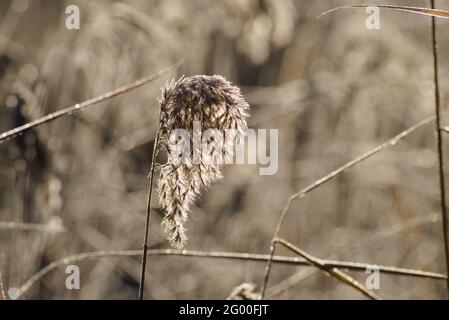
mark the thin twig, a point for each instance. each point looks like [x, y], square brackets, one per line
[393, 230]
[80, 106]
[12, 225]
[291, 281]
[333, 271]
[356, 266]
[391, 142]
[439, 142]
[147, 221]
[417, 10]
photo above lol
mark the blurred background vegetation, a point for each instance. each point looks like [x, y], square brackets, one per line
[333, 88]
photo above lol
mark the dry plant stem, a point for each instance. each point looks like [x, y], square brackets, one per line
[356, 266]
[327, 178]
[417, 10]
[333, 271]
[439, 142]
[147, 222]
[29, 227]
[83, 105]
[2, 288]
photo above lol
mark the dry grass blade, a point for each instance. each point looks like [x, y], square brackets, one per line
[418, 10]
[5, 136]
[333, 271]
[329, 177]
[356, 266]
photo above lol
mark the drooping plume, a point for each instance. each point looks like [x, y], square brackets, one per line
[194, 105]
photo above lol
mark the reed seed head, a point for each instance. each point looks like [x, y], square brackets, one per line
[213, 103]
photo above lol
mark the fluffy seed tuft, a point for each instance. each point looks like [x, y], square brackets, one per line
[216, 104]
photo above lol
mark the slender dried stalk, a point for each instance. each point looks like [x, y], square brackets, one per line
[443, 14]
[356, 266]
[2, 288]
[327, 178]
[333, 271]
[439, 142]
[5, 136]
[147, 221]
